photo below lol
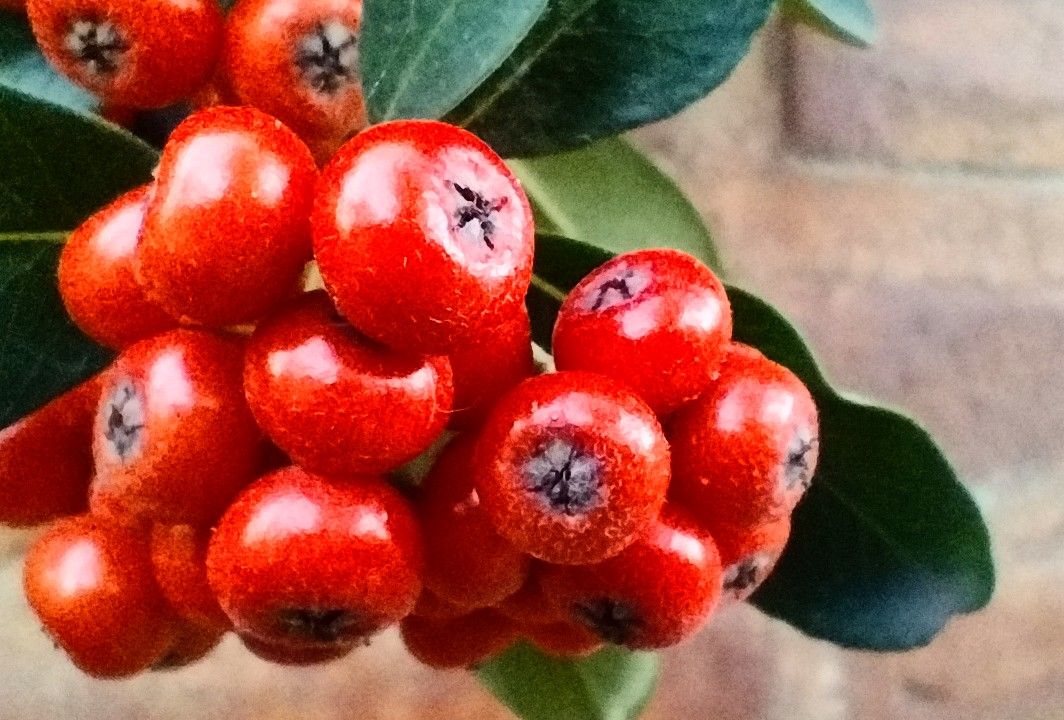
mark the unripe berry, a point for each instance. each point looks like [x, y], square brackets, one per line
[458, 643]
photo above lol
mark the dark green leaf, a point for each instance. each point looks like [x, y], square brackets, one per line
[22, 67]
[41, 352]
[593, 68]
[612, 684]
[851, 21]
[888, 545]
[420, 59]
[610, 195]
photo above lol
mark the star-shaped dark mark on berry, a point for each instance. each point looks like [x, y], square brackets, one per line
[96, 44]
[328, 57]
[797, 468]
[565, 476]
[124, 421]
[612, 620]
[477, 209]
[743, 576]
[327, 626]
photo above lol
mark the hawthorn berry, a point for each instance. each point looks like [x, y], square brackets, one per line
[294, 655]
[226, 230]
[336, 402]
[461, 642]
[174, 440]
[529, 606]
[467, 563]
[572, 467]
[191, 644]
[91, 585]
[298, 60]
[748, 555]
[745, 452]
[96, 278]
[656, 320]
[657, 592]
[179, 561]
[563, 639]
[138, 53]
[432, 607]
[301, 560]
[423, 236]
[46, 459]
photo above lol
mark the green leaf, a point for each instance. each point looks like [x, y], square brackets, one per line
[593, 68]
[851, 21]
[420, 59]
[42, 354]
[610, 195]
[612, 684]
[22, 67]
[888, 545]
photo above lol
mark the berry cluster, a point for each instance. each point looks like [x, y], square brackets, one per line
[233, 469]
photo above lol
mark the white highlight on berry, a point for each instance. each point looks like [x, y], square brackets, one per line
[281, 517]
[78, 569]
[312, 359]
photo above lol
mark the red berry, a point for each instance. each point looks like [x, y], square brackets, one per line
[301, 560]
[423, 236]
[174, 440]
[564, 639]
[749, 555]
[657, 320]
[657, 592]
[96, 276]
[298, 60]
[467, 563]
[458, 643]
[226, 233]
[337, 403]
[529, 606]
[192, 643]
[46, 459]
[142, 53]
[488, 366]
[572, 467]
[294, 655]
[91, 585]
[179, 559]
[744, 453]
[432, 607]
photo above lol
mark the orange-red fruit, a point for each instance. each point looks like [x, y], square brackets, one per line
[293, 655]
[174, 440]
[91, 585]
[96, 278]
[299, 61]
[191, 644]
[423, 236]
[563, 639]
[572, 467]
[466, 561]
[529, 606]
[460, 642]
[336, 402]
[749, 555]
[144, 54]
[179, 559]
[46, 459]
[433, 607]
[657, 320]
[745, 452]
[302, 560]
[659, 591]
[226, 233]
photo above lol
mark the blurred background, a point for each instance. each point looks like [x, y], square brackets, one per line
[904, 205]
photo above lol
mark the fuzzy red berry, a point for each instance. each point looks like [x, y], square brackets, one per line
[749, 555]
[659, 591]
[302, 560]
[432, 607]
[174, 440]
[91, 585]
[336, 402]
[46, 459]
[226, 231]
[466, 561]
[572, 467]
[657, 320]
[529, 606]
[745, 452]
[299, 61]
[564, 639]
[422, 234]
[293, 655]
[179, 560]
[96, 278]
[191, 644]
[460, 642]
[144, 54]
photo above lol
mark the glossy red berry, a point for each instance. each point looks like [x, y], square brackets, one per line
[659, 591]
[749, 555]
[564, 639]
[174, 440]
[298, 60]
[144, 54]
[91, 585]
[226, 231]
[191, 644]
[96, 278]
[656, 320]
[466, 561]
[293, 655]
[422, 234]
[46, 459]
[301, 560]
[745, 452]
[572, 467]
[179, 560]
[338, 403]
[460, 642]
